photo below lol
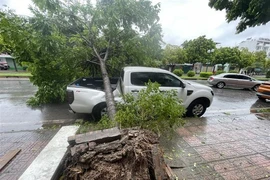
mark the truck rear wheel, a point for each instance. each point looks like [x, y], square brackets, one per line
[196, 109]
[99, 110]
[262, 99]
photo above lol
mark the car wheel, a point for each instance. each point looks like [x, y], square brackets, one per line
[197, 108]
[99, 111]
[220, 85]
[261, 98]
[255, 88]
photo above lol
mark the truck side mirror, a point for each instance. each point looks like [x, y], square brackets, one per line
[183, 85]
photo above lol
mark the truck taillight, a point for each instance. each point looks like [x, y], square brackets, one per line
[70, 96]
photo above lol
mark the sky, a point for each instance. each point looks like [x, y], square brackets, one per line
[184, 20]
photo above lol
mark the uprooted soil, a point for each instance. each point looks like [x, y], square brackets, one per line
[136, 155]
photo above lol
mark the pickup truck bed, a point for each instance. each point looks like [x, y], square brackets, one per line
[93, 82]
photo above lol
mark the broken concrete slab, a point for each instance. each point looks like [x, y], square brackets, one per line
[100, 136]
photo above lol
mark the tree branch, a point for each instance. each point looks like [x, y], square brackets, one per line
[95, 50]
[107, 51]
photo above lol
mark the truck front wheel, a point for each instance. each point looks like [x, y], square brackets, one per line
[99, 110]
[196, 109]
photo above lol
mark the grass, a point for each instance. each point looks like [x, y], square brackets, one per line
[15, 74]
[193, 78]
[264, 110]
[263, 79]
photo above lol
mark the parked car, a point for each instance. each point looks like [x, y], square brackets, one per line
[234, 80]
[263, 91]
[3, 64]
[91, 99]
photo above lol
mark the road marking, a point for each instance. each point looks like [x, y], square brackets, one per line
[227, 110]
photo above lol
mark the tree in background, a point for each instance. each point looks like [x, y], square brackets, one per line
[198, 49]
[246, 58]
[225, 55]
[260, 59]
[251, 12]
[174, 55]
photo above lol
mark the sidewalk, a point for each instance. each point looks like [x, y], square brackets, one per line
[31, 144]
[221, 147]
[224, 146]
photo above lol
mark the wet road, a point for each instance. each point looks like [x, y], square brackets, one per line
[15, 115]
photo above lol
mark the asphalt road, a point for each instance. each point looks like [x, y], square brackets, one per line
[15, 115]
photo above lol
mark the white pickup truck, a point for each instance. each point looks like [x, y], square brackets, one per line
[88, 97]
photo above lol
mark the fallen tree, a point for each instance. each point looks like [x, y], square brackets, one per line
[129, 154]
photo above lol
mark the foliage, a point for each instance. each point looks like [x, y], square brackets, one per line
[225, 55]
[174, 55]
[251, 12]
[199, 49]
[267, 64]
[233, 71]
[246, 58]
[159, 112]
[220, 72]
[65, 40]
[260, 59]
[190, 73]
[206, 74]
[268, 74]
[178, 72]
[113, 32]
[85, 126]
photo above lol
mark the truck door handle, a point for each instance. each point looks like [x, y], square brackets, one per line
[135, 90]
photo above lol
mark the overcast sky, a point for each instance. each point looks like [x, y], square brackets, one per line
[184, 20]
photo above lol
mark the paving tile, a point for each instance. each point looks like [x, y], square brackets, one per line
[234, 175]
[235, 147]
[222, 166]
[212, 156]
[30, 143]
[194, 130]
[241, 162]
[184, 132]
[256, 172]
[259, 159]
[255, 146]
[222, 138]
[267, 154]
[193, 141]
[228, 153]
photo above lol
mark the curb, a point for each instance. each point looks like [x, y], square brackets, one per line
[47, 163]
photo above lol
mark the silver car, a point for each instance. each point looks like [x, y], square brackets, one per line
[234, 80]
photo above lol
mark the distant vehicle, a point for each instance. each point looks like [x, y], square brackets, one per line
[234, 80]
[3, 64]
[263, 91]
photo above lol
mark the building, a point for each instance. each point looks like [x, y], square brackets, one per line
[253, 45]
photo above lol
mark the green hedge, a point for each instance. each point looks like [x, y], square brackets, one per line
[178, 72]
[220, 72]
[206, 74]
[233, 71]
[268, 74]
[190, 73]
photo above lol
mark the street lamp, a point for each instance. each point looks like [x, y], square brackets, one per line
[209, 51]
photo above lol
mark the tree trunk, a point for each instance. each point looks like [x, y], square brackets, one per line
[111, 109]
[108, 90]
